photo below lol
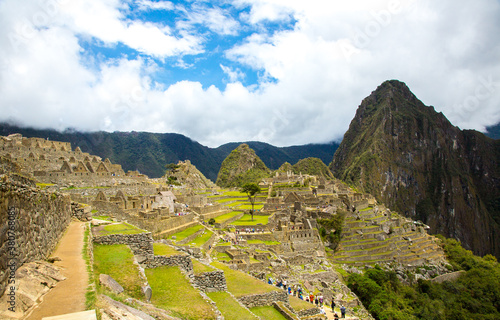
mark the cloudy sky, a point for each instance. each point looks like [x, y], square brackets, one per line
[286, 72]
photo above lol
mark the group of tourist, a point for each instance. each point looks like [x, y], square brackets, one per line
[249, 230]
[296, 290]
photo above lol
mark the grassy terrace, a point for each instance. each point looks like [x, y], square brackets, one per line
[246, 220]
[241, 284]
[199, 267]
[117, 261]
[268, 313]
[230, 199]
[269, 243]
[187, 232]
[161, 249]
[226, 216]
[229, 307]
[173, 292]
[202, 239]
[248, 206]
[298, 304]
[119, 228]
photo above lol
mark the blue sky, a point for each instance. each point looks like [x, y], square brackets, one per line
[286, 72]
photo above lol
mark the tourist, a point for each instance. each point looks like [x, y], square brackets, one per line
[320, 301]
[333, 305]
[336, 316]
[342, 311]
[311, 298]
[316, 301]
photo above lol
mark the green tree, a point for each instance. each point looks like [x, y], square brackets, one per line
[251, 189]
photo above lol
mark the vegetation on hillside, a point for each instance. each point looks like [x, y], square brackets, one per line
[312, 166]
[331, 229]
[149, 152]
[241, 166]
[474, 295]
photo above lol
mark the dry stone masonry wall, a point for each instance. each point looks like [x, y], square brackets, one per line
[140, 244]
[211, 281]
[263, 299]
[32, 222]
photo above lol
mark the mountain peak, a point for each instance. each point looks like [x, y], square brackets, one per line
[417, 163]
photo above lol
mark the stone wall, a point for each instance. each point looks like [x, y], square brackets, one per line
[33, 221]
[81, 211]
[264, 299]
[285, 311]
[212, 281]
[140, 243]
[181, 260]
[309, 312]
[153, 225]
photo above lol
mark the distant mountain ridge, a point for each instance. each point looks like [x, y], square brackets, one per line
[150, 152]
[415, 161]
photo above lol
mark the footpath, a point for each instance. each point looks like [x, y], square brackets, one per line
[69, 295]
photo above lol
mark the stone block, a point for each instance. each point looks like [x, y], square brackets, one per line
[110, 283]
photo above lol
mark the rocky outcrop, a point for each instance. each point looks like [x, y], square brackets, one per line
[31, 281]
[110, 283]
[412, 159]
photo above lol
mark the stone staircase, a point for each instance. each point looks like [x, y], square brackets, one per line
[371, 237]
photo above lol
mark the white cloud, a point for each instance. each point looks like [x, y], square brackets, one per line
[234, 75]
[447, 52]
[155, 5]
[216, 20]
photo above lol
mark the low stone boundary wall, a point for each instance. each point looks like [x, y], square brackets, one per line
[140, 243]
[212, 281]
[309, 312]
[285, 312]
[182, 261]
[264, 299]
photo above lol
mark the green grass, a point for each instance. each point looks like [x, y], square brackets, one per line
[299, 304]
[105, 218]
[230, 199]
[246, 220]
[235, 194]
[226, 216]
[187, 232]
[249, 206]
[120, 228]
[229, 307]
[202, 239]
[91, 294]
[241, 284]
[162, 249]
[269, 243]
[117, 261]
[222, 256]
[268, 313]
[44, 185]
[199, 267]
[172, 291]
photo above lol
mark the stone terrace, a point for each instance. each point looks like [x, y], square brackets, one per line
[375, 236]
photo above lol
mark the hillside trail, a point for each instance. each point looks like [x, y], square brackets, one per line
[68, 296]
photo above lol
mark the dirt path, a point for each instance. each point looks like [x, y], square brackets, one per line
[69, 295]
